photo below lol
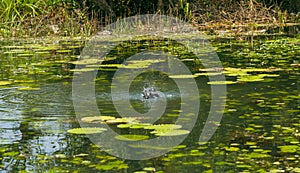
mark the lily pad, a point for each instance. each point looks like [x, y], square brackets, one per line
[110, 65]
[139, 125]
[111, 165]
[270, 75]
[232, 148]
[87, 130]
[97, 119]
[83, 70]
[29, 89]
[24, 81]
[181, 76]
[163, 127]
[221, 82]
[86, 61]
[131, 137]
[5, 82]
[148, 147]
[289, 148]
[122, 120]
[135, 66]
[151, 169]
[123, 126]
[296, 170]
[133, 125]
[64, 51]
[173, 132]
[208, 74]
[251, 78]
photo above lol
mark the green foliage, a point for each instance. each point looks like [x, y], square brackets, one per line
[12, 10]
[42, 17]
[186, 9]
[73, 17]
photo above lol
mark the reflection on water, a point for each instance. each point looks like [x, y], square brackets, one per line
[35, 121]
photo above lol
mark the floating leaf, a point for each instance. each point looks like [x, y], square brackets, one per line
[11, 153]
[208, 74]
[135, 66]
[221, 82]
[232, 148]
[111, 165]
[110, 65]
[60, 156]
[163, 127]
[256, 155]
[243, 166]
[122, 126]
[139, 126]
[296, 170]
[87, 130]
[5, 82]
[64, 51]
[24, 81]
[86, 162]
[251, 78]
[83, 70]
[289, 148]
[151, 169]
[122, 120]
[181, 76]
[86, 61]
[28, 89]
[97, 119]
[246, 70]
[170, 132]
[270, 75]
[131, 137]
[81, 155]
[235, 72]
[172, 115]
[148, 147]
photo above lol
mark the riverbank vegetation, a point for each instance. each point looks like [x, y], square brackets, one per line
[23, 18]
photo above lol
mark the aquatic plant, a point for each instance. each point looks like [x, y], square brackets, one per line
[131, 137]
[86, 130]
[173, 132]
[5, 82]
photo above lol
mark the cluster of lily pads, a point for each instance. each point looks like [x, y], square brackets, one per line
[242, 74]
[23, 62]
[278, 52]
[130, 123]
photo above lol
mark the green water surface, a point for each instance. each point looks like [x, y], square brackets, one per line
[259, 131]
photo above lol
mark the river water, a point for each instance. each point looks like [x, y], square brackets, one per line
[259, 130]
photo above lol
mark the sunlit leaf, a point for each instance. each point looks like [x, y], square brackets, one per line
[5, 82]
[173, 132]
[289, 148]
[221, 82]
[87, 130]
[131, 137]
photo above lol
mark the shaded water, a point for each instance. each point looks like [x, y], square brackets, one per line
[258, 132]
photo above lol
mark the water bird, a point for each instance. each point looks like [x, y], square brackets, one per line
[151, 93]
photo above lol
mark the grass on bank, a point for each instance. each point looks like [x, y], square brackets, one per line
[19, 18]
[23, 18]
